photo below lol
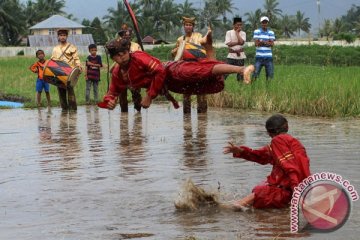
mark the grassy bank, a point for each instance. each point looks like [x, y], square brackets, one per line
[297, 89]
[290, 55]
[17, 79]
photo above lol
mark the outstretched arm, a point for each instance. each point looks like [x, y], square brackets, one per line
[261, 156]
[231, 148]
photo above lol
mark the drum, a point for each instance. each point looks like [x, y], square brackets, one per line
[190, 51]
[60, 74]
[193, 51]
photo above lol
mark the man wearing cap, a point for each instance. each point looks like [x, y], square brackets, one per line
[196, 38]
[68, 53]
[235, 40]
[264, 40]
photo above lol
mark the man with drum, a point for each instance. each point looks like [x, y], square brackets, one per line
[196, 38]
[66, 52]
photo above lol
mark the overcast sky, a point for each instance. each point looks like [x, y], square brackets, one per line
[329, 9]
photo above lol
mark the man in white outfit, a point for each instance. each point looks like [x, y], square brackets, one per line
[235, 40]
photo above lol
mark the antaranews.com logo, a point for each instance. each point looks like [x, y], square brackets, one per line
[321, 202]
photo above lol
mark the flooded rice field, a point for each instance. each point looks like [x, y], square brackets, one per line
[96, 174]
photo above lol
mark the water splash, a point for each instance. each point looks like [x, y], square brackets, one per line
[192, 197]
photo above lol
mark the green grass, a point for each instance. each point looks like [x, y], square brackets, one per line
[296, 89]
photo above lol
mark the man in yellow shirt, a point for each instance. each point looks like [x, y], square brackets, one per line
[196, 38]
[67, 53]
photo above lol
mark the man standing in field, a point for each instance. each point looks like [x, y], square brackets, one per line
[264, 40]
[235, 40]
[67, 53]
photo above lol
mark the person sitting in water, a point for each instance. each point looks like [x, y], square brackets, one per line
[290, 166]
[137, 70]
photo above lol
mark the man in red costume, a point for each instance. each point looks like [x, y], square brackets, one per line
[137, 70]
[290, 166]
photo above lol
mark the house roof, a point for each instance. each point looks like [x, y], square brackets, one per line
[57, 21]
[148, 39]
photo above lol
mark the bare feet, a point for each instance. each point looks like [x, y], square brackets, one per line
[247, 73]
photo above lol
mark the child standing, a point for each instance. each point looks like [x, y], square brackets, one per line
[290, 166]
[93, 65]
[38, 68]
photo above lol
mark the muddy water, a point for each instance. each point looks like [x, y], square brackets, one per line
[106, 175]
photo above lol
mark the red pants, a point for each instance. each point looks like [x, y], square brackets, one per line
[271, 197]
[194, 77]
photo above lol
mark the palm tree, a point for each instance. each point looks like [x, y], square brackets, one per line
[271, 10]
[357, 27]
[338, 26]
[209, 15]
[223, 7]
[11, 26]
[187, 9]
[302, 23]
[287, 26]
[327, 29]
[117, 17]
[169, 15]
[253, 18]
[36, 12]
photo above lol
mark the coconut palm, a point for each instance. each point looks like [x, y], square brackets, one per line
[271, 10]
[11, 26]
[187, 9]
[118, 16]
[338, 26]
[36, 12]
[302, 23]
[287, 26]
[169, 17]
[253, 18]
[223, 7]
[209, 15]
[327, 29]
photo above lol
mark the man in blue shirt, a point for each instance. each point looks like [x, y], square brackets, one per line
[264, 40]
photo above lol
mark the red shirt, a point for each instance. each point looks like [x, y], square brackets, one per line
[288, 157]
[144, 71]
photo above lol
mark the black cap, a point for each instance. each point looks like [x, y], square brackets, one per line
[237, 19]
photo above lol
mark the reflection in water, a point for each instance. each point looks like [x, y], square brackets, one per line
[95, 137]
[131, 144]
[63, 155]
[54, 185]
[195, 145]
[44, 126]
[273, 223]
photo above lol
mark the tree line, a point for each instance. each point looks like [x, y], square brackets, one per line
[162, 19]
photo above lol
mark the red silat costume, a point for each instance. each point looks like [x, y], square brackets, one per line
[183, 77]
[290, 167]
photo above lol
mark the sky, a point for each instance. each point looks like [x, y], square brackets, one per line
[329, 9]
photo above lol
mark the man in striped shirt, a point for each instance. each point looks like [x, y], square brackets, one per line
[264, 40]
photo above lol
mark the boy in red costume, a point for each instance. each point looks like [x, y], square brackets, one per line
[137, 70]
[290, 166]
